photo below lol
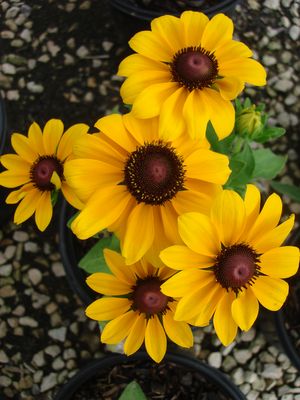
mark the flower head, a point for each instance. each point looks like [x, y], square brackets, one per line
[136, 185]
[230, 262]
[143, 313]
[38, 167]
[186, 70]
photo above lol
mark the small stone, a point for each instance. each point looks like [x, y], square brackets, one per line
[58, 363]
[82, 52]
[44, 58]
[85, 5]
[69, 353]
[35, 276]
[269, 60]
[31, 247]
[17, 43]
[271, 371]
[26, 35]
[53, 48]
[294, 32]
[107, 45]
[28, 321]
[19, 311]
[68, 59]
[283, 85]
[215, 359]
[13, 95]
[52, 350]
[3, 357]
[7, 291]
[272, 4]
[39, 359]
[12, 12]
[58, 333]
[3, 329]
[10, 251]
[5, 270]
[238, 376]
[5, 381]
[242, 356]
[48, 382]
[37, 377]
[35, 87]
[58, 269]
[7, 35]
[252, 395]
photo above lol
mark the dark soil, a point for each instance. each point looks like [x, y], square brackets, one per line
[165, 381]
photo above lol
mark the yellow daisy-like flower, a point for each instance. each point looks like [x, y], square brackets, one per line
[231, 262]
[143, 313]
[136, 185]
[38, 167]
[187, 70]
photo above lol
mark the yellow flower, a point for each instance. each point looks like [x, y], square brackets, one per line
[38, 167]
[142, 313]
[136, 185]
[187, 70]
[231, 262]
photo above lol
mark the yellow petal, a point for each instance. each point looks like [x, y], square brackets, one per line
[266, 220]
[66, 144]
[10, 179]
[169, 222]
[221, 112]
[168, 29]
[43, 212]
[52, 133]
[228, 216]
[150, 45]
[178, 331]
[102, 209]
[136, 245]
[198, 234]
[218, 30]
[116, 263]
[143, 130]
[245, 69]
[171, 123]
[210, 299]
[181, 257]
[270, 292]
[196, 113]
[17, 195]
[27, 206]
[136, 63]
[117, 329]
[149, 101]
[230, 87]
[281, 262]
[231, 50]
[252, 208]
[71, 197]
[275, 237]
[15, 163]
[107, 308]
[182, 283]
[35, 137]
[208, 166]
[245, 309]
[155, 82]
[136, 335]
[155, 339]
[107, 284]
[225, 327]
[55, 179]
[22, 147]
[198, 199]
[194, 24]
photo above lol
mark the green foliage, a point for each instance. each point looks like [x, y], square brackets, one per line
[93, 260]
[133, 391]
[290, 190]
[267, 164]
[54, 197]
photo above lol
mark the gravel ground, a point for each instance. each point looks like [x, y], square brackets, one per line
[59, 59]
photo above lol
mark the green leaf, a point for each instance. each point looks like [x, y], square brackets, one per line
[93, 260]
[220, 146]
[242, 167]
[290, 190]
[54, 197]
[71, 219]
[267, 164]
[269, 133]
[133, 391]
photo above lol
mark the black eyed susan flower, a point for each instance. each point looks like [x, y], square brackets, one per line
[143, 313]
[186, 70]
[230, 262]
[136, 185]
[38, 168]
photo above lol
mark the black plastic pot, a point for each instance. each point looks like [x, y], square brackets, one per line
[69, 247]
[130, 18]
[282, 328]
[107, 363]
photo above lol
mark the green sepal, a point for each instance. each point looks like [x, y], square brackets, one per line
[133, 391]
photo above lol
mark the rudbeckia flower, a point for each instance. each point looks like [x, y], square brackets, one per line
[230, 262]
[136, 185]
[186, 70]
[142, 313]
[38, 167]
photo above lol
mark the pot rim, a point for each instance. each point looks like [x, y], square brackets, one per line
[138, 12]
[92, 368]
[3, 125]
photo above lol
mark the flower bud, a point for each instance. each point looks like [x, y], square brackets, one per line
[249, 123]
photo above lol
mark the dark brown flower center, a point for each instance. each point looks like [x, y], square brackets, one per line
[42, 170]
[154, 173]
[236, 267]
[194, 68]
[147, 297]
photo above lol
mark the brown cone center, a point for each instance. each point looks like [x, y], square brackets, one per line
[148, 298]
[42, 171]
[157, 169]
[194, 65]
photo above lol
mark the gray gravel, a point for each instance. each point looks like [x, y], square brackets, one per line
[66, 68]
